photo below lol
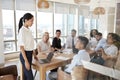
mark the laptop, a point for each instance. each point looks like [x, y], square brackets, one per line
[48, 59]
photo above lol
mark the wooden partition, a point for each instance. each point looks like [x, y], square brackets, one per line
[118, 19]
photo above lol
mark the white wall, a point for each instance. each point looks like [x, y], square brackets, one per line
[1, 37]
[118, 1]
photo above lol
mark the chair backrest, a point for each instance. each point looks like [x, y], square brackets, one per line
[7, 77]
[9, 70]
[79, 73]
[63, 75]
[117, 65]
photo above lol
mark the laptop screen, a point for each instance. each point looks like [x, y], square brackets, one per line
[50, 55]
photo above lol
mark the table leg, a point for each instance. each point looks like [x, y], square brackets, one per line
[42, 74]
[21, 71]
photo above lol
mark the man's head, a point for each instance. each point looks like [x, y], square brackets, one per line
[73, 32]
[98, 36]
[81, 42]
[58, 33]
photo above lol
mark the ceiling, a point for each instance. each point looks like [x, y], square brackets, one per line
[104, 3]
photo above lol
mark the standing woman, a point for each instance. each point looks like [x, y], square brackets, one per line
[26, 44]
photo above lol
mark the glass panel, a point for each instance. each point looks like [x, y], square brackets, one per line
[44, 23]
[86, 26]
[18, 48]
[71, 19]
[60, 22]
[19, 14]
[81, 25]
[50, 39]
[8, 24]
[63, 40]
[93, 24]
[9, 47]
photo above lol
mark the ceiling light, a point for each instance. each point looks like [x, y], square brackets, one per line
[99, 11]
[43, 4]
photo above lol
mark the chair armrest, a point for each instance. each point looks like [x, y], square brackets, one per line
[7, 77]
[79, 73]
[9, 70]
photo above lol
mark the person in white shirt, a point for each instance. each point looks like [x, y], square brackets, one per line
[69, 39]
[110, 50]
[44, 45]
[92, 40]
[26, 44]
[82, 54]
[101, 41]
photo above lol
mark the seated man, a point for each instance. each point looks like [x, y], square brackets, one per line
[82, 54]
[101, 41]
[56, 43]
[56, 46]
[71, 41]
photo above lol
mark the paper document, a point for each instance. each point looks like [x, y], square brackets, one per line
[61, 57]
[67, 51]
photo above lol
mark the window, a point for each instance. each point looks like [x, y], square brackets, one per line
[8, 24]
[81, 25]
[63, 41]
[60, 22]
[9, 46]
[71, 18]
[44, 23]
[86, 26]
[93, 24]
[58, 16]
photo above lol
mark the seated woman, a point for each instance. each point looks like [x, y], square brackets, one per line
[109, 50]
[92, 40]
[44, 45]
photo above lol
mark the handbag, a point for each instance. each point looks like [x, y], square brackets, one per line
[97, 59]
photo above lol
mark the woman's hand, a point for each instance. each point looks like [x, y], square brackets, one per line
[27, 65]
[36, 58]
[104, 56]
[34, 54]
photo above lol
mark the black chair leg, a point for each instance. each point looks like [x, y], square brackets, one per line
[35, 74]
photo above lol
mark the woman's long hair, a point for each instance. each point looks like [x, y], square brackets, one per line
[91, 35]
[26, 16]
[116, 39]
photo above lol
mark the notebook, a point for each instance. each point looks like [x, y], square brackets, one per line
[48, 59]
